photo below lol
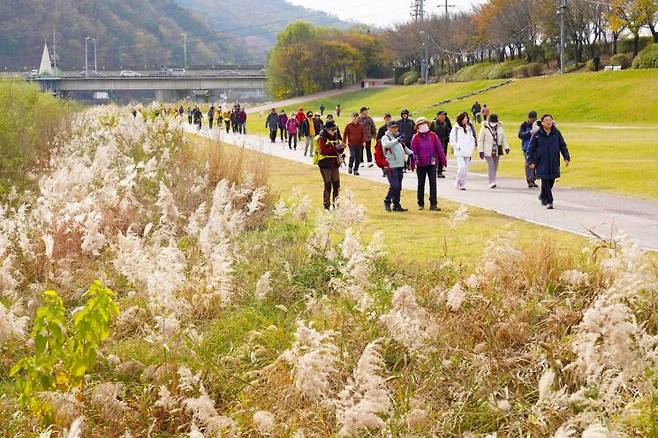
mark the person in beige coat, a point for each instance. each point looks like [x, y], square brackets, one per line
[492, 142]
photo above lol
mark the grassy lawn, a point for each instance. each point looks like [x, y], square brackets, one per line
[607, 119]
[414, 236]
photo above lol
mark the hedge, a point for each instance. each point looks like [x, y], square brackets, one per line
[647, 58]
[621, 59]
[411, 78]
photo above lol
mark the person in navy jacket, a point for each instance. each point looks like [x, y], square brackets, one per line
[544, 157]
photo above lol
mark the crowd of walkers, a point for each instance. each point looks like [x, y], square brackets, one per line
[421, 146]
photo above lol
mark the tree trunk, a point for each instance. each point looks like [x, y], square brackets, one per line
[654, 32]
[615, 38]
[636, 44]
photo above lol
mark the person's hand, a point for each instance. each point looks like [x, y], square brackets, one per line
[531, 166]
[566, 163]
[507, 151]
[481, 155]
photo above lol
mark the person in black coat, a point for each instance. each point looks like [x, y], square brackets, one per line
[544, 156]
[442, 127]
[407, 130]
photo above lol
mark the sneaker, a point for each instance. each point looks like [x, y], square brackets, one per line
[387, 207]
[435, 208]
[356, 173]
[463, 189]
[541, 199]
[441, 175]
[492, 185]
[370, 164]
[421, 207]
[399, 209]
[349, 170]
[550, 207]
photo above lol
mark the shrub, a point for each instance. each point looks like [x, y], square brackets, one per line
[647, 58]
[504, 70]
[421, 81]
[590, 65]
[474, 72]
[535, 69]
[621, 59]
[520, 71]
[625, 45]
[411, 78]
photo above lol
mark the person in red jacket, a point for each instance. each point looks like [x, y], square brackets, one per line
[330, 149]
[354, 136]
[300, 116]
[428, 154]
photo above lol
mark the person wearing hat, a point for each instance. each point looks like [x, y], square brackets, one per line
[283, 123]
[544, 156]
[394, 151]
[272, 123]
[300, 116]
[370, 132]
[355, 137]
[407, 129]
[525, 135]
[330, 118]
[309, 132]
[428, 155]
[381, 132]
[330, 148]
[441, 126]
[492, 143]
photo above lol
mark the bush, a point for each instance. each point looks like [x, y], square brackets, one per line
[590, 65]
[474, 72]
[535, 69]
[520, 71]
[504, 70]
[411, 78]
[420, 81]
[403, 77]
[626, 45]
[647, 58]
[621, 59]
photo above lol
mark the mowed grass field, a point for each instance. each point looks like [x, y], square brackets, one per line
[415, 237]
[609, 120]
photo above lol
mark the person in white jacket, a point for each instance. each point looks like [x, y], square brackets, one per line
[463, 141]
[491, 144]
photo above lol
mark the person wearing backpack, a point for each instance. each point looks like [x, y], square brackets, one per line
[492, 142]
[428, 155]
[292, 127]
[380, 134]
[463, 141]
[394, 153]
[326, 154]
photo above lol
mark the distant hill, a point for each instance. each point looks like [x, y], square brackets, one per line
[255, 23]
[127, 32]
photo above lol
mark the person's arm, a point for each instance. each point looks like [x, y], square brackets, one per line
[505, 142]
[480, 142]
[532, 147]
[373, 130]
[345, 133]
[563, 149]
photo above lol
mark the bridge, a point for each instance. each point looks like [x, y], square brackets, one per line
[167, 84]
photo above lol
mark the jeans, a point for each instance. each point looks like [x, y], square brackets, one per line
[210, 120]
[462, 170]
[492, 166]
[368, 151]
[547, 190]
[228, 126]
[356, 157]
[428, 172]
[284, 133]
[530, 175]
[394, 176]
[308, 145]
[272, 135]
[292, 138]
[331, 178]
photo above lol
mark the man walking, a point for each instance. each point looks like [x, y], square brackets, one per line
[395, 155]
[322, 109]
[442, 127]
[526, 131]
[407, 130]
[354, 136]
[370, 132]
[272, 123]
[283, 123]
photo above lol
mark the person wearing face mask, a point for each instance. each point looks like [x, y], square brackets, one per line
[428, 155]
[492, 142]
[463, 140]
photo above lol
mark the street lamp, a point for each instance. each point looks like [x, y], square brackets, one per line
[95, 59]
[562, 12]
[184, 50]
[86, 58]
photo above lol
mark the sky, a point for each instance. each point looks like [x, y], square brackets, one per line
[380, 12]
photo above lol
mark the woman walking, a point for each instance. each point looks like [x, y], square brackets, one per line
[292, 127]
[544, 156]
[329, 149]
[492, 143]
[463, 141]
[428, 155]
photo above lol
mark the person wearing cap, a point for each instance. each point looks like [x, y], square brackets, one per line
[300, 117]
[272, 123]
[330, 118]
[428, 155]
[441, 126]
[492, 143]
[544, 156]
[525, 135]
[381, 132]
[330, 148]
[464, 141]
[407, 129]
[394, 151]
[355, 137]
[370, 132]
[283, 122]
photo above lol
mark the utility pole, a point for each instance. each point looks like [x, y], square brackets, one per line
[562, 12]
[184, 50]
[418, 14]
[86, 58]
[54, 51]
[95, 59]
[446, 5]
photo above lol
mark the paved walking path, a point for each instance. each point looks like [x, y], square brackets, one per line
[576, 210]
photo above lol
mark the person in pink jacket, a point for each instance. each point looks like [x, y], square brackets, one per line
[428, 155]
[292, 126]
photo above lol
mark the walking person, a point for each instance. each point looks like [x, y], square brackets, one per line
[308, 131]
[272, 123]
[407, 130]
[394, 151]
[441, 126]
[283, 122]
[492, 143]
[242, 121]
[428, 155]
[322, 109]
[330, 149]
[355, 137]
[234, 119]
[544, 156]
[476, 110]
[292, 126]
[380, 134]
[227, 120]
[338, 110]
[370, 132]
[190, 115]
[526, 132]
[197, 114]
[485, 112]
[211, 116]
[300, 117]
[463, 140]
[330, 118]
